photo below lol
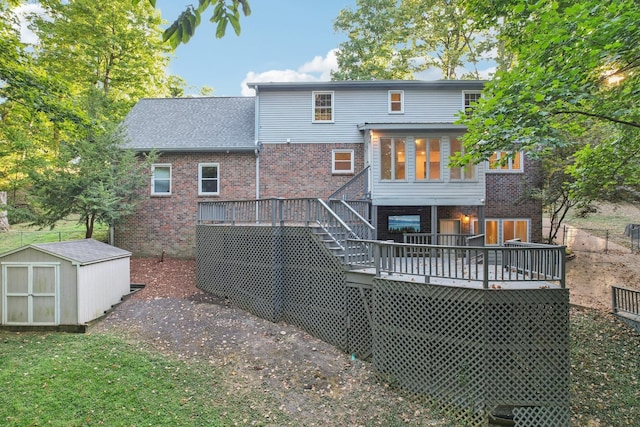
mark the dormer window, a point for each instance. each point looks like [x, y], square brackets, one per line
[396, 101]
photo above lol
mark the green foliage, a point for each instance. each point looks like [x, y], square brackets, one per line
[388, 39]
[93, 178]
[574, 76]
[224, 12]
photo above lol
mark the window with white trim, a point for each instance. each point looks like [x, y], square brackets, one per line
[469, 98]
[498, 231]
[428, 159]
[392, 159]
[460, 173]
[208, 179]
[323, 106]
[502, 161]
[342, 162]
[396, 101]
[161, 179]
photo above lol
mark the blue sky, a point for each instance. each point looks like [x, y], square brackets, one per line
[282, 40]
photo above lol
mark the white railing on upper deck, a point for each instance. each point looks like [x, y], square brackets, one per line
[486, 265]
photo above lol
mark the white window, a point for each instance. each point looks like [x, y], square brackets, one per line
[428, 159]
[161, 179]
[392, 159]
[469, 98]
[342, 162]
[498, 231]
[503, 162]
[208, 179]
[323, 106]
[396, 101]
[463, 173]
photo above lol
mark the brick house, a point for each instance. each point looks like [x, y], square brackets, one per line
[390, 140]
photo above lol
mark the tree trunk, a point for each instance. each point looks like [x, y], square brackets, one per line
[4, 220]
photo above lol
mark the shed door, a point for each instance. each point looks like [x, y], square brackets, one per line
[30, 294]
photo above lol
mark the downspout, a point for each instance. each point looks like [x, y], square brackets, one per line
[256, 132]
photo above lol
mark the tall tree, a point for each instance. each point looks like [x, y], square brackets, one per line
[394, 39]
[575, 75]
[113, 46]
[93, 178]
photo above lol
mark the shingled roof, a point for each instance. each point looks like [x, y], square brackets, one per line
[192, 124]
[87, 251]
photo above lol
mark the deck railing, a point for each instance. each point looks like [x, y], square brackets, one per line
[353, 218]
[279, 212]
[489, 266]
[357, 188]
[438, 239]
[625, 301]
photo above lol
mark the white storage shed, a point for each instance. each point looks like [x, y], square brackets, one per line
[62, 283]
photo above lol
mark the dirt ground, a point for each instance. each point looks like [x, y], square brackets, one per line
[310, 380]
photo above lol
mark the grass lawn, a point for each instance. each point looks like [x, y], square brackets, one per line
[74, 380]
[24, 234]
[66, 380]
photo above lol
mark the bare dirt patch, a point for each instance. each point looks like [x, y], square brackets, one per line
[291, 377]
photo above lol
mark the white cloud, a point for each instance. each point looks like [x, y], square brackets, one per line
[318, 69]
[23, 12]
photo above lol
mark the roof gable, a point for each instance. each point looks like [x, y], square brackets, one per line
[192, 124]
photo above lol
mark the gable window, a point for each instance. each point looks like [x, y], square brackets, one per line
[396, 101]
[323, 106]
[469, 98]
[393, 157]
[342, 162]
[502, 162]
[428, 159]
[463, 173]
[498, 231]
[208, 179]
[161, 179]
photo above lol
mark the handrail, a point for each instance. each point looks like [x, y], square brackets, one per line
[499, 264]
[341, 193]
[278, 212]
[360, 226]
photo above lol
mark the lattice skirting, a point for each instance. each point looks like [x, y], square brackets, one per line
[474, 352]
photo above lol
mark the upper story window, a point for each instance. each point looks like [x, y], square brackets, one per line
[342, 162]
[393, 157]
[323, 106]
[161, 179]
[208, 179]
[396, 101]
[502, 162]
[428, 159]
[463, 173]
[469, 98]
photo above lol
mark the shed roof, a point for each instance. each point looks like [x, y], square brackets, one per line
[87, 251]
[192, 124]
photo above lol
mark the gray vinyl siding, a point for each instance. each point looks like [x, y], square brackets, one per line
[410, 192]
[288, 114]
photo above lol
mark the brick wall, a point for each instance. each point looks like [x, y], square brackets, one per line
[507, 196]
[303, 170]
[168, 223]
